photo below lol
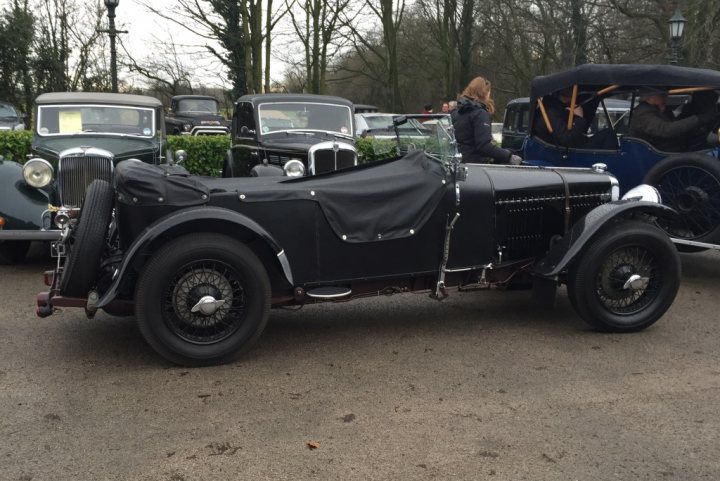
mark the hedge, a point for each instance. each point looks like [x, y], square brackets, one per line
[205, 153]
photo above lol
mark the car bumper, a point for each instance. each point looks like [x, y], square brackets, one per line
[208, 130]
[32, 235]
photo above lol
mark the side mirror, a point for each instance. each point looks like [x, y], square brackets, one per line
[244, 131]
[399, 120]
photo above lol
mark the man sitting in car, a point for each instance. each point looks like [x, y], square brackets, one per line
[654, 122]
[557, 108]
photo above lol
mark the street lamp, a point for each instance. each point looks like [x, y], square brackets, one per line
[111, 5]
[677, 27]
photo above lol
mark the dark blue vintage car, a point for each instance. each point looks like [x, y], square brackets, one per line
[688, 181]
[200, 261]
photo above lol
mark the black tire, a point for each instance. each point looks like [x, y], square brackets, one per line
[12, 252]
[597, 280]
[187, 270]
[690, 184]
[88, 240]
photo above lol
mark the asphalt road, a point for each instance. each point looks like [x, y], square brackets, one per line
[482, 386]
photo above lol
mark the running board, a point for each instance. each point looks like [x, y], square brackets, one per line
[703, 245]
[329, 292]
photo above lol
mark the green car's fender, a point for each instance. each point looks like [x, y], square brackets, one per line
[21, 206]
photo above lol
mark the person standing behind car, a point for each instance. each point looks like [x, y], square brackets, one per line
[472, 124]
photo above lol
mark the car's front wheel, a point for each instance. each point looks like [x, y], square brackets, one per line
[202, 300]
[626, 279]
[690, 184]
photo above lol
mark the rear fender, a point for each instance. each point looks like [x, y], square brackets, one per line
[572, 243]
[177, 220]
[21, 206]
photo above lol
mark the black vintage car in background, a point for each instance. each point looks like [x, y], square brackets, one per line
[195, 115]
[79, 137]
[200, 261]
[296, 134]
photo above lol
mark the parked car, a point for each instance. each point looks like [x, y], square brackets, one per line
[200, 261]
[364, 109]
[79, 137]
[380, 125]
[515, 126]
[688, 182]
[195, 115]
[496, 130]
[10, 119]
[298, 134]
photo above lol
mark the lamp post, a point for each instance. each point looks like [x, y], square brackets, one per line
[677, 27]
[111, 6]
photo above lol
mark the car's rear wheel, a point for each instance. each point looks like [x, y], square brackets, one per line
[690, 184]
[12, 252]
[202, 300]
[626, 279]
[88, 241]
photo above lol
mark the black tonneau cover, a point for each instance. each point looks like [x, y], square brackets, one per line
[394, 198]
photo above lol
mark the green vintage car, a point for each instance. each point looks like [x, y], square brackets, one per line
[78, 137]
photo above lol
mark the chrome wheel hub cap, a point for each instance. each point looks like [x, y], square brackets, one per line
[207, 305]
[636, 282]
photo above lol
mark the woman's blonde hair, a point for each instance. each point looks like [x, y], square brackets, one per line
[479, 89]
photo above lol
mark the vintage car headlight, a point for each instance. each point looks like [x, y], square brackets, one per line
[644, 192]
[294, 168]
[187, 127]
[38, 173]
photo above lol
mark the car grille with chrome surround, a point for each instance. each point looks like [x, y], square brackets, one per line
[525, 225]
[77, 170]
[328, 160]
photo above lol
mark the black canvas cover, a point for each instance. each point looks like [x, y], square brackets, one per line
[384, 201]
[601, 75]
[141, 184]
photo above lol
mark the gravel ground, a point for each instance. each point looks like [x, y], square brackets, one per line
[483, 385]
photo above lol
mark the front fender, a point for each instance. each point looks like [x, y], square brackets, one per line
[21, 206]
[564, 251]
[177, 219]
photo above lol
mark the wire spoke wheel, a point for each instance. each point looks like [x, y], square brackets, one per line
[189, 286]
[626, 278]
[695, 194]
[611, 283]
[690, 184]
[202, 299]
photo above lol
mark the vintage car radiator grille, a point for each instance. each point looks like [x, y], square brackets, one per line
[75, 174]
[325, 160]
[526, 224]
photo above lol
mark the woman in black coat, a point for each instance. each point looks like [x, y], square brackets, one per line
[473, 127]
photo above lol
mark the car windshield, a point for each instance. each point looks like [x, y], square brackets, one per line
[7, 111]
[95, 119]
[207, 106]
[304, 117]
[434, 136]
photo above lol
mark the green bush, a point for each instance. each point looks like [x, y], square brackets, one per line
[371, 149]
[15, 145]
[206, 153]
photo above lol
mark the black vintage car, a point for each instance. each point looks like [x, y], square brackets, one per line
[294, 134]
[79, 137]
[200, 261]
[195, 115]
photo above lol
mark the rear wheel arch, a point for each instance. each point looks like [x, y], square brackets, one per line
[263, 246]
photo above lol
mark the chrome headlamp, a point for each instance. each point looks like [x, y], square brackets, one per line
[187, 127]
[294, 168]
[644, 192]
[37, 173]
